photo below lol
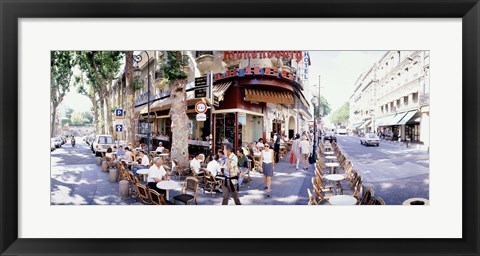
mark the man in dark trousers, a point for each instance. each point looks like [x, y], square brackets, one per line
[276, 148]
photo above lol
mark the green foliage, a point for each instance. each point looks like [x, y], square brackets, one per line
[342, 114]
[68, 112]
[66, 121]
[173, 67]
[137, 83]
[61, 64]
[325, 106]
[77, 118]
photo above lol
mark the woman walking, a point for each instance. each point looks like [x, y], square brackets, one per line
[305, 150]
[296, 149]
[268, 165]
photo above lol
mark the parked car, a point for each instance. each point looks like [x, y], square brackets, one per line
[57, 141]
[330, 136]
[52, 144]
[370, 139]
[101, 143]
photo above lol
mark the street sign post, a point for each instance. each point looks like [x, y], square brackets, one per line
[118, 128]
[201, 117]
[119, 114]
[200, 81]
[201, 107]
[201, 93]
[216, 102]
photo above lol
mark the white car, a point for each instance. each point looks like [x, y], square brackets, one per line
[101, 143]
[370, 139]
[57, 141]
[52, 145]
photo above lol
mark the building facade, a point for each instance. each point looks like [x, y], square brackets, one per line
[258, 92]
[393, 97]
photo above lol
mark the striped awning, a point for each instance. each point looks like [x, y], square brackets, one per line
[269, 96]
[220, 89]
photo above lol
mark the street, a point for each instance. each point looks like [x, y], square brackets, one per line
[396, 172]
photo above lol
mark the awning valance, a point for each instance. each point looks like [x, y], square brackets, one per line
[395, 119]
[407, 117]
[220, 89]
[269, 96]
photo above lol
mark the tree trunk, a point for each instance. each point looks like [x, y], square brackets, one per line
[95, 115]
[109, 120]
[54, 114]
[178, 115]
[130, 108]
[102, 115]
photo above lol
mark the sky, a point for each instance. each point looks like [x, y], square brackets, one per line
[338, 70]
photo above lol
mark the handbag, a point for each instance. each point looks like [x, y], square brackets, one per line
[310, 159]
[291, 157]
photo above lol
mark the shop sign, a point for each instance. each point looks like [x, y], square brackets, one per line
[216, 102]
[257, 71]
[201, 117]
[232, 55]
[306, 58]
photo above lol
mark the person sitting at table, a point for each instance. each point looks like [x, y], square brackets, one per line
[195, 165]
[242, 165]
[128, 155]
[120, 152]
[221, 157]
[109, 154]
[160, 148]
[156, 173]
[143, 165]
[214, 168]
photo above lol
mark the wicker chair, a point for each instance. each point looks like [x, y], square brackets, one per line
[318, 189]
[210, 183]
[378, 201]
[312, 200]
[367, 197]
[143, 193]
[158, 199]
[189, 186]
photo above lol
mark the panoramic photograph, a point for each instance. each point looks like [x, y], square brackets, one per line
[259, 127]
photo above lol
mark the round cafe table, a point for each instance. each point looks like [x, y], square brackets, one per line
[331, 158]
[416, 201]
[342, 200]
[167, 185]
[332, 165]
[143, 172]
[335, 178]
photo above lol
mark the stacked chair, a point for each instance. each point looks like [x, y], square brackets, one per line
[352, 185]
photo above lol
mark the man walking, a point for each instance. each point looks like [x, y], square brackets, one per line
[276, 149]
[231, 175]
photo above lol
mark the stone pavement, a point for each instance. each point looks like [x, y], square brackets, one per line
[86, 184]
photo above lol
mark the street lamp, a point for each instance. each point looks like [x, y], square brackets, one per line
[138, 58]
[315, 103]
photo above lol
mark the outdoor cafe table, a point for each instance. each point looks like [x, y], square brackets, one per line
[342, 200]
[167, 185]
[331, 158]
[416, 201]
[332, 165]
[329, 153]
[335, 178]
[143, 172]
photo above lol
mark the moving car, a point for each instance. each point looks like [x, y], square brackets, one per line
[342, 130]
[101, 143]
[330, 136]
[370, 139]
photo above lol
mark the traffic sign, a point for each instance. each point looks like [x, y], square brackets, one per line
[216, 102]
[201, 107]
[200, 81]
[119, 113]
[201, 117]
[118, 128]
[201, 93]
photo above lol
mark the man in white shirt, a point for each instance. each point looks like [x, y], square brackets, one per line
[195, 165]
[143, 165]
[213, 167]
[156, 173]
[160, 148]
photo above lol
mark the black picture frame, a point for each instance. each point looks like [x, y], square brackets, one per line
[11, 11]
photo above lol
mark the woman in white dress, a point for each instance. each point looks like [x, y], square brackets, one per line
[296, 150]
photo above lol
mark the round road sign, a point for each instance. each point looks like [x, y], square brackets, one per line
[201, 107]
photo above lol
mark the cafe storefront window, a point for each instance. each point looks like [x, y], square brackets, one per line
[225, 129]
